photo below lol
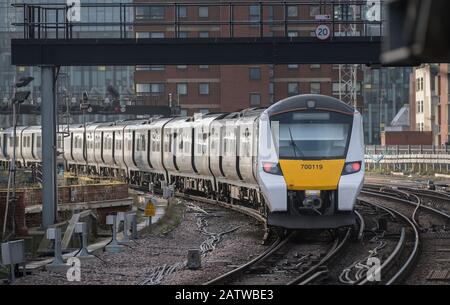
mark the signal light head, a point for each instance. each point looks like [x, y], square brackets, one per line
[271, 168]
[351, 168]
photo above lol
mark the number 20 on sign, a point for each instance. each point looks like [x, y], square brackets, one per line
[322, 32]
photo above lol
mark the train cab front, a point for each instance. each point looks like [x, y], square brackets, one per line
[318, 160]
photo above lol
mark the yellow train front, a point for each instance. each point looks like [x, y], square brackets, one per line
[310, 162]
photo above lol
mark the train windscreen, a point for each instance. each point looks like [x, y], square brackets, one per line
[312, 135]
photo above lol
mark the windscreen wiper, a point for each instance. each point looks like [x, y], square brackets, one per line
[293, 144]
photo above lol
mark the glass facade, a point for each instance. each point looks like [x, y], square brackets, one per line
[72, 81]
[385, 91]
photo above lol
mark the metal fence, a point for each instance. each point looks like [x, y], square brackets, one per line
[408, 158]
[231, 19]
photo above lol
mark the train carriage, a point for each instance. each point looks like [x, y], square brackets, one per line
[299, 162]
[312, 167]
[3, 143]
[31, 144]
[69, 142]
[137, 159]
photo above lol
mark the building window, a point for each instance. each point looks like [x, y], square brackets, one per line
[203, 66]
[142, 68]
[204, 110]
[156, 12]
[255, 99]
[181, 67]
[314, 10]
[182, 89]
[254, 13]
[255, 73]
[421, 83]
[314, 88]
[335, 88]
[292, 11]
[183, 112]
[157, 35]
[150, 68]
[156, 68]
[314, 66]
[203, 89]
[149, 12]
[142, 35]
[155, 89]
[182, 11]
[293, 88]
[420, 106]
[203, 12]
[203, 34]
[292, 66]
[183, 34]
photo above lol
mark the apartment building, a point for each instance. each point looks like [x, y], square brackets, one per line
[429, 99]
[212, 88]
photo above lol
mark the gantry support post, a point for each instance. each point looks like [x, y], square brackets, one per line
[48, 115]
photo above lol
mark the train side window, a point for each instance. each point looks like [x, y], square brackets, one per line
[169, 148]
[138, 143]
[143, 142]
[38, 141]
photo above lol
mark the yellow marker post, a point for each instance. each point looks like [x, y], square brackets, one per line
[150, 210]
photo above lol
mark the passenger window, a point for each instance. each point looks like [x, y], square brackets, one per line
[143, 143]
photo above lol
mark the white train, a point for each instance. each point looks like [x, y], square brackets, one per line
[300, 161]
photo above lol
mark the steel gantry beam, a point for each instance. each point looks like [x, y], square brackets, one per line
[194, 51]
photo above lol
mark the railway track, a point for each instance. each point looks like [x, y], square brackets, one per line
[430, 215]
[294, 260]
[289, 261]
[389, 247]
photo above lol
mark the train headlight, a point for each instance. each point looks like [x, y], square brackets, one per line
[351, 168]
[271, 168]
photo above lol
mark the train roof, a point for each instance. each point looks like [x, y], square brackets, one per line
[300, 102]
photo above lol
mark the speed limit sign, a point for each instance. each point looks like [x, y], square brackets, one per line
[322, 32]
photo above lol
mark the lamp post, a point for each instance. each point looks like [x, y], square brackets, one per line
[19, 98]
[85, 106]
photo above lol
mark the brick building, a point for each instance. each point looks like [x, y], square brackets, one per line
[429, 97]
[208, 88]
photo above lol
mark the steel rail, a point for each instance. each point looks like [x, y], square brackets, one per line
[382, 195]
[226, 277]
[338, 244]
[398, 248]
[362, 225]
[413, 255]
[241, 209]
